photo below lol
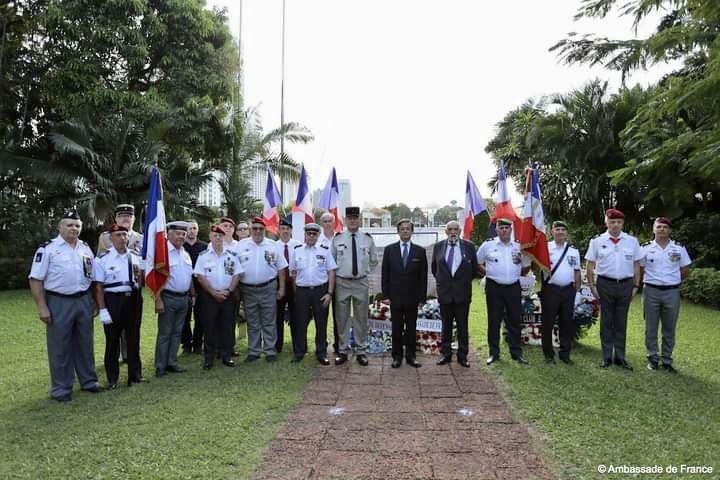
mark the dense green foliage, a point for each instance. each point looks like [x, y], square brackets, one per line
[702, 286]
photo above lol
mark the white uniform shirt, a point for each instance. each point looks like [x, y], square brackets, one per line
[311, 265]
[457, 256]
[112, 267]
[292, 243]
[62, 268]
[180, 269]
[565, 273]
[231, 245]
[503, 261]
[662, 265]
[219, 270]
[614, 260]
[262, 261]
[323, 240]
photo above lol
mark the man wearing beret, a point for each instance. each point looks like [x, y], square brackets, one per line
[558, 293]
[117, 275]
[615, 257]
[313, 268]
[665, 265]
[501, 260]
[60, 279]
[125, 217]
[263, 284]
[173, 300]
[286, 305]
[355, 254]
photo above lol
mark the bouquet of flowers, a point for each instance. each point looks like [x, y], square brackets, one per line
[428, 342]
[379, 311]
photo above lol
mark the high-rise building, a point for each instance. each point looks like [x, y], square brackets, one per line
[345, 198]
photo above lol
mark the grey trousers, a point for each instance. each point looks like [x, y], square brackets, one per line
[70, 343]
[660, 307]
[260, 308]
[615, 298]
[170, 325]
[355, 292]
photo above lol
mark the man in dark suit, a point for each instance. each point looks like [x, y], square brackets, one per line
[454, 264]
[404, 284]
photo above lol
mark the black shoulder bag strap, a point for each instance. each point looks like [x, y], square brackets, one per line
[562, 257]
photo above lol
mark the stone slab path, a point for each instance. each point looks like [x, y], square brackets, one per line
[377, 422]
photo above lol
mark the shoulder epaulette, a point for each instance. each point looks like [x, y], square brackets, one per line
[598, 235]
[46, 244]
[83, 242]
[232, 252]
[207, 251]
[103, 254]
[646, 244]
[324, 246]
[338, 233]
[297, 246]
[366, 233]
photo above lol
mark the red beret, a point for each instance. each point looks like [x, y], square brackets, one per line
[614, 214]
[258, 220]
[116, 228]
[217, 229]
[664, 220]
[227, 220]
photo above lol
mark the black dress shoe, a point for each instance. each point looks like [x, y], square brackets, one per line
[668, 368]
[270, 358]
[160, 372]
[175, 369]
[299, 358]
[396, 363]
[652, 365]
[228, 363]
[443, 361]
[625, 365]
[138, 380]
[492, 359]
[95, 389]
[207, 365]
[362, 360]
[605, 363]
[62, 398]
[340, 359]
[567, 361]
[550, 360]
[463, 362]
[323, 361]
[521, 359]
[251, 358]
[112, 386]
[413, 363]
[235, 354]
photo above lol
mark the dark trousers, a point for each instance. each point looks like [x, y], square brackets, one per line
[218, 319]
[125, 313]
[503, 299]
[285, 306]
[192, 338]
[307, 302]
[557, 303]
[615, 298]
[458, 313]
[336, 340]
[404, 330]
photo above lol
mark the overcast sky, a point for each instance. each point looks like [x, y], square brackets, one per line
[403, 95]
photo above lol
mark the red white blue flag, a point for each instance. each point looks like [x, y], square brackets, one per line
[474, 205]
[503, 206]
[271, 202]
[329, 199]
[302, 210]
[155, 250]
[532, 234]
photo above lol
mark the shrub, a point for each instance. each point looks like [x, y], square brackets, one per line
[702, 286]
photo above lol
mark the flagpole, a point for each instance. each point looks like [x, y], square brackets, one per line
[282, 101]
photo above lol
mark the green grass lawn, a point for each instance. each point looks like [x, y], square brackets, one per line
[584, 416]
[197, 424]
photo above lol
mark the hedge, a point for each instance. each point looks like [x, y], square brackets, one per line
[702, 286]
[14, 272]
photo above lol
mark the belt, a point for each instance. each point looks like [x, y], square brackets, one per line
[569, 285]
[352, 278]
[71, 295]
[175, 294]
[258, 285]
[124, 294]
[504, 285]
[119, 284]
[663, 287]
[324, 285]
[615, 280]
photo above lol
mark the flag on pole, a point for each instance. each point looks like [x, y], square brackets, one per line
[271, 202]
[329, 199]
[474, 205]
[302, 210]
[155, 251]
[532, 234]
[503, 206]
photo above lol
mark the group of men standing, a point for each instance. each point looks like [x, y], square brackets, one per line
[299, 281]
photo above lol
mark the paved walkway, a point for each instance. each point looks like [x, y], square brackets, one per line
[377, 422]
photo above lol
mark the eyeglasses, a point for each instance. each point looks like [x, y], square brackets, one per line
[255, 229]
[311, 233]
[242, 228]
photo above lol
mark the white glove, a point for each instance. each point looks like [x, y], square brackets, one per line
[105, 317]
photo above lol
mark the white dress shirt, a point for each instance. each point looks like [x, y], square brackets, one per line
[311, 265]
[180, 270]
[614, 260]
[503, 261]
[662, 265]
[112, 268]
[565, 273]
[63, 269]
[219, 270]
[457, 256]
[291, 244]
[262, 261]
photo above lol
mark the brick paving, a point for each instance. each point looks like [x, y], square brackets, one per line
[377, 422]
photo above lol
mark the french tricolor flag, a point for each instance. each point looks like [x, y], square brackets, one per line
[329, 199]
[271, 202]
[302, 210]
[532, 233]
[474, 205]
[503, 206]
[154, 251]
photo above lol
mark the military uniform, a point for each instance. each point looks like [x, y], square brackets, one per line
[503, 267]
[192, 339]
[119, 275]
[66, 274]
[355, 255]
[135, 243]
[661, 296]
[286, 305]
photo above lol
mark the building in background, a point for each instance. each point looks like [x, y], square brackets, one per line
[375, 217]
[211, 196]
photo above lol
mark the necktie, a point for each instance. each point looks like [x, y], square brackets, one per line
[354, 257]
[451, 257]
[287, 257]
[131, 276]
[405, 255]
